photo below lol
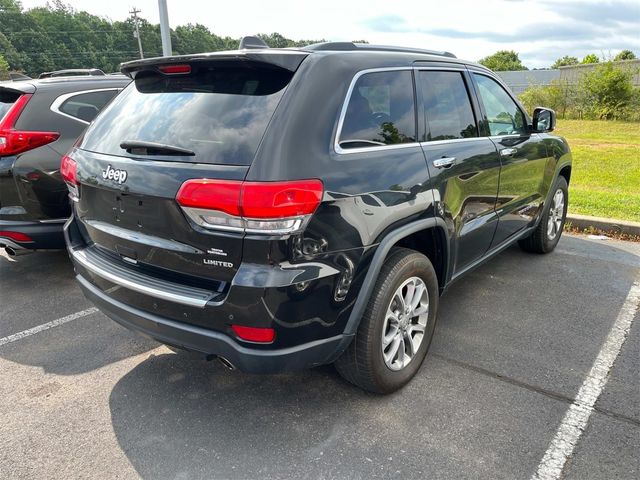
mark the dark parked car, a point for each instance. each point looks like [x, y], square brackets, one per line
[282, 209]
[39, 121]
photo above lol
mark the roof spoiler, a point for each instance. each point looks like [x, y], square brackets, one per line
[16, 76]
[287, 59]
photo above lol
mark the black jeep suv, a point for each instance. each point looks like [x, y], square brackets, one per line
[39, 121]
[283, 208]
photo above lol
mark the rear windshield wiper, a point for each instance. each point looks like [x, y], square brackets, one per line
[136, 147]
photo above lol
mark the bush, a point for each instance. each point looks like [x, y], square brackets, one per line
[607, 93]
[558, 95]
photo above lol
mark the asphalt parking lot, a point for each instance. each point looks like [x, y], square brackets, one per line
[516, 338]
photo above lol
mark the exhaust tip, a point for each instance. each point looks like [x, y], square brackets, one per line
[12, 252]
[226, 363]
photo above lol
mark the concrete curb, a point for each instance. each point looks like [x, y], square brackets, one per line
[604, 224]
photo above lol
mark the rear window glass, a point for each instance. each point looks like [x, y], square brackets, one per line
[380, 111]
[86, 106]
[220, 112]
[7, 98]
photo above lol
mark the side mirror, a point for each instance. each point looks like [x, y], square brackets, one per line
[544, 120]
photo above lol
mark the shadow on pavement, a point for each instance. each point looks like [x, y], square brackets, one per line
[178, 416]
[40, 287]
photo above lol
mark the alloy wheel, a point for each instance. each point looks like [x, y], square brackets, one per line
[556, 214]
[405, 323]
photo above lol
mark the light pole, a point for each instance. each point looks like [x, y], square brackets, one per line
[165, 33]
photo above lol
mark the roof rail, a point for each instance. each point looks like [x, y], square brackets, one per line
[350, 46]
[73, 71]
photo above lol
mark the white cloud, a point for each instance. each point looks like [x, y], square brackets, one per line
[539, 31]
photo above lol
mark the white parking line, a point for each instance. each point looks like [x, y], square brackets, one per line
[46, 326]
[576, 418]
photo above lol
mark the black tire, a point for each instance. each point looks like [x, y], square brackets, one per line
[362, 363]
[539, 241]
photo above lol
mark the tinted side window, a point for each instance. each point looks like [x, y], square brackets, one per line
[7, 99]
[503, 114]
[447, 107]
[86, 106]
[381, 111]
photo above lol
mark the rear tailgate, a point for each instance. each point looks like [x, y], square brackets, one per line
[202, 119]
[140, 221]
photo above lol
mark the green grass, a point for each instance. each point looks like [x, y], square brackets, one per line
[605, 178]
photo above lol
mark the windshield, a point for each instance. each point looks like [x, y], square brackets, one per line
[219, 111]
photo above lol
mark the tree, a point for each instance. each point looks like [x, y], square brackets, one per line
[502, 61]
[565, 62]
[625, 55]
[607, 92]
[4, 69]
[591, 58]
[276, 40]
[195, 39]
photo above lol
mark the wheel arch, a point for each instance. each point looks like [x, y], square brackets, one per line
[565, 171]
[407, 236]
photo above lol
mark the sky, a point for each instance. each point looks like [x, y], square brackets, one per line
[540, 31]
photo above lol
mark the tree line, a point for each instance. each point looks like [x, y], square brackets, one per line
[605, 92]
[57, 37]
[509, 60]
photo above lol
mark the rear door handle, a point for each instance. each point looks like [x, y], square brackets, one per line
[444, 162]
[508, 152]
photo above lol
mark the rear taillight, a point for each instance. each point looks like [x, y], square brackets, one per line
[253, 207]
[16, 236]
[68, 171]
[12, 141]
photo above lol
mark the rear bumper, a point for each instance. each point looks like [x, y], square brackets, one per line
[308, 330]
[211, 342]
[45, 235]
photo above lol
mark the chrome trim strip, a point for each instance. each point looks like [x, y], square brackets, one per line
[142, 238]
[196, 297]
[452, 140]
[53, 220]
[57, 103]
[509, 135]
[336, 146]
[442, 68]
[345, 151]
